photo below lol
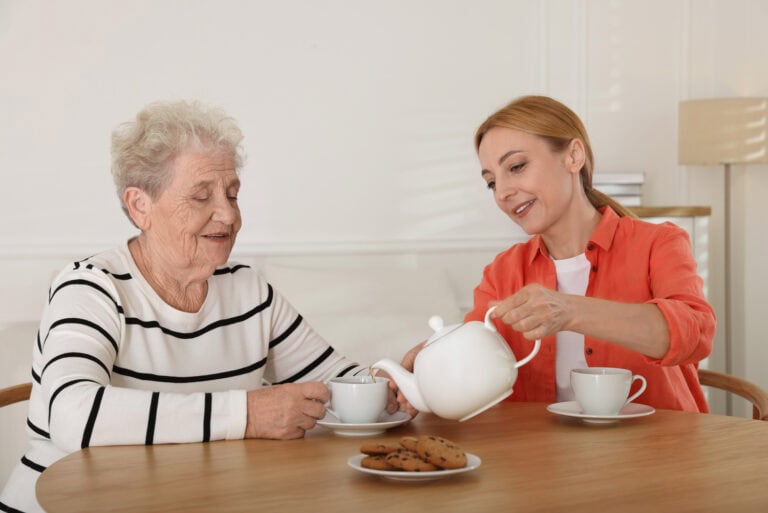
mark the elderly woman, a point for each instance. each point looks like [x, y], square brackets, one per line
[162, 339]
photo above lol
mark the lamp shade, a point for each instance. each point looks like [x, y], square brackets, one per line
[723, 131]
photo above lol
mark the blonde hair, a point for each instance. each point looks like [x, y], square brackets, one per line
[558, 125]
[143, 150]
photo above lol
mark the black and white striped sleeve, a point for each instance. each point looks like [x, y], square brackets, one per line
[81, 337]
[297, 353]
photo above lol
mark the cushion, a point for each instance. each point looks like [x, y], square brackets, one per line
[16, 344]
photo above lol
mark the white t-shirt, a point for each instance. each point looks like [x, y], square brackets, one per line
[572, 278]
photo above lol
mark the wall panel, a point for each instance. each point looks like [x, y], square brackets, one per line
[359, 116]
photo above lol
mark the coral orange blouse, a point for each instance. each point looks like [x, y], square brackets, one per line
[632, 262]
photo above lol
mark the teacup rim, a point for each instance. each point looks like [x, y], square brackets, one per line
[601, 371]
[356, 380]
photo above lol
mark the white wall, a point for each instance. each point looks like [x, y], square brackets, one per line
[345, 105]
[726, 57]
[359, 115]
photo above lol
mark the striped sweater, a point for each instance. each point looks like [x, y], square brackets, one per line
[113, 364]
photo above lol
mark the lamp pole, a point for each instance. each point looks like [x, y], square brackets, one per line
[727, 242]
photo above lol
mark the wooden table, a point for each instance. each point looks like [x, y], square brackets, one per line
[532, 461]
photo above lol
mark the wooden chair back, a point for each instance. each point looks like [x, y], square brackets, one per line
[741, 387]
[15, 394]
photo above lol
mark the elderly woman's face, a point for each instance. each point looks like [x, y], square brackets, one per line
[195, 220]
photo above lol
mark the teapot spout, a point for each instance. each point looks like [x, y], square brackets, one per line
[405, 381]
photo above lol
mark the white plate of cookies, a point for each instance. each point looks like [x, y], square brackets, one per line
[422, 458]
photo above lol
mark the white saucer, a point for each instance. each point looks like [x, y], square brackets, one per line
[573, 409]
[399, 475]
[375, 428]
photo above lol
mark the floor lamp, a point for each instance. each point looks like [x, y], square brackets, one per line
[724, 131]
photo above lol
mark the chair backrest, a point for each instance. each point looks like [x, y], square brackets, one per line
[15, 394]
[741, 387]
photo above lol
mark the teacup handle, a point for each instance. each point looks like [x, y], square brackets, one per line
[642, 388]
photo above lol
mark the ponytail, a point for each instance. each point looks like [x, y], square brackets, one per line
[600, 199]
[558, 125]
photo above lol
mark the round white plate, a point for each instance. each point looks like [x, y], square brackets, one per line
[399, 475]
[375, 428]
[573, 409]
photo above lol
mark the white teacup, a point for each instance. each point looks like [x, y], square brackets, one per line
[358, 400]
[604, 390]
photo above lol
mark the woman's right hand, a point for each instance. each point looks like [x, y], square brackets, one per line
[285, 412]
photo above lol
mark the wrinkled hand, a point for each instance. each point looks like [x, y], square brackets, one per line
[410, 357]
[392, 404]
[407, 364]
[535, 311]
[285, 411]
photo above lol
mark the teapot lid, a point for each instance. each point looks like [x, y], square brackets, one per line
[436, 323]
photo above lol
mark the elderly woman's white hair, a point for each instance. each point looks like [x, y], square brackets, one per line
[143, 150]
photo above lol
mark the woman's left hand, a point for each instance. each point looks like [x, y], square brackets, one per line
[535, 311]
[395, 399]
[392, 404]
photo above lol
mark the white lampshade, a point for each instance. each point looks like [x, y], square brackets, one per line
[723, 131]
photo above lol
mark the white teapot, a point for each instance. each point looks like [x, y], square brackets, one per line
[463, 370]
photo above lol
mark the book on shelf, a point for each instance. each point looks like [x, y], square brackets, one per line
[628, 201]
[618, 178]
[626, 188]
[623, 189]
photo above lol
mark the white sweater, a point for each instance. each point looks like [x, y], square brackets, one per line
[113, 364]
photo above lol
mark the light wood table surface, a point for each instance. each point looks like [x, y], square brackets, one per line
[532, 460]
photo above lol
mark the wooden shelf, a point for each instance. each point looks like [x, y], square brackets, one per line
[692, 211]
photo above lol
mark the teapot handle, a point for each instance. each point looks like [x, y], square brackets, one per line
[536, 347]
[492, 327]
[488, 323]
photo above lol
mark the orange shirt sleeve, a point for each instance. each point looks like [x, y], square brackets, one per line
[677, 290]
[484, 293]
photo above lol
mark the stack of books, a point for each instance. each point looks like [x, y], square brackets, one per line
[626, 188]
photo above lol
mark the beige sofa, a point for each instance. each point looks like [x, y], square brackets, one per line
[16, 343]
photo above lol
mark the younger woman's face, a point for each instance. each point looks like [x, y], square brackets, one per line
[532, 184]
